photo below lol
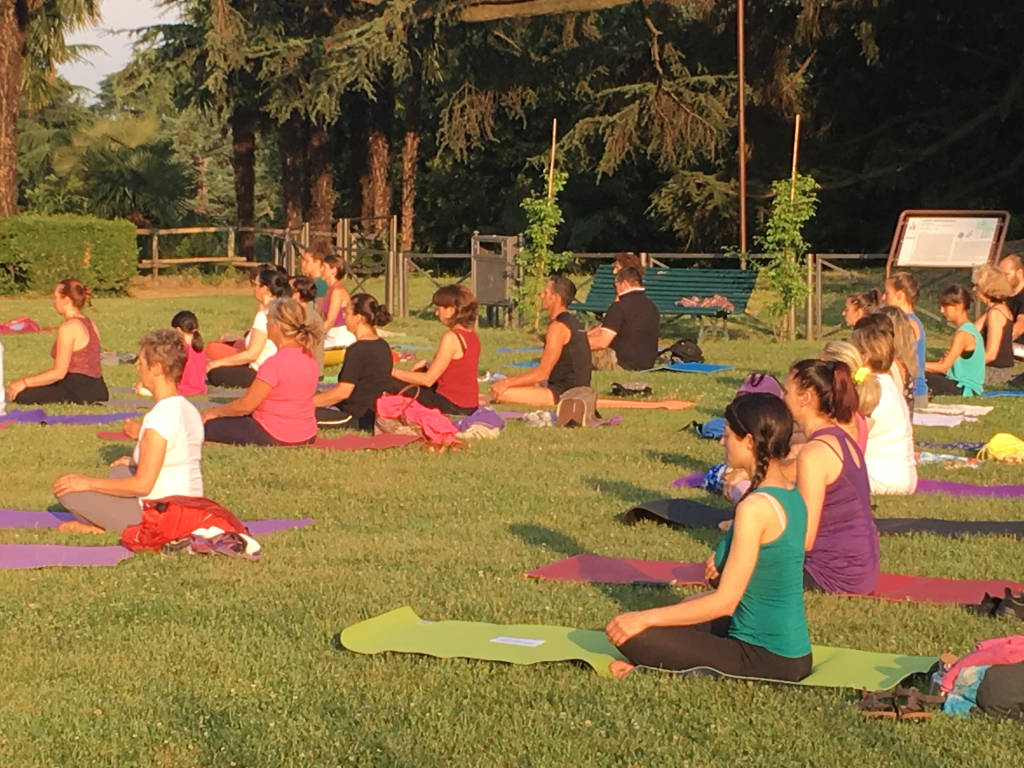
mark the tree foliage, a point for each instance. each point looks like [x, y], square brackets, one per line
[536, 258]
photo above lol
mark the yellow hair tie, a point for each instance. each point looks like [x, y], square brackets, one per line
[860, 374]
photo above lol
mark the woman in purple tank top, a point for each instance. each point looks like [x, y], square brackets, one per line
[842, 540]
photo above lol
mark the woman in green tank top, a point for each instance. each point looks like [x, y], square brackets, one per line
[753, 623]
[961, 371]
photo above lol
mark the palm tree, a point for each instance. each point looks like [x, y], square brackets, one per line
[31, 43]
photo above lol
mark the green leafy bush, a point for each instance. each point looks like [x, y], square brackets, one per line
[36, 251]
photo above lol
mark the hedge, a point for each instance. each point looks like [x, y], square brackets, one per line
[37, 251]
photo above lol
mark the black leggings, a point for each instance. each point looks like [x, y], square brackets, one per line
[939, 384]
[709, 645]
[231, 376]
[428, 396]
[242, 430]
[73, 388]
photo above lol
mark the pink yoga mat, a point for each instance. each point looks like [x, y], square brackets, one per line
[891, 586]
[350, 442]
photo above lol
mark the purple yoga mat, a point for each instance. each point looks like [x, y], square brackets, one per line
[39, 416]
[17, 556]
[689, 481]
[259, 527]
[925, 485]
[23, 518]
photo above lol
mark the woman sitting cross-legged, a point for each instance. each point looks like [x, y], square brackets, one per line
[832, 477]
[449, 383]
[167, 456]
[995, 324]
[753, 623]
[76, 375]
[366, 373]
[277, 408]
[961, 371]
[230, 366]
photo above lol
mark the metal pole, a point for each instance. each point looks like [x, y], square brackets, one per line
[742, 118]
[810, 296]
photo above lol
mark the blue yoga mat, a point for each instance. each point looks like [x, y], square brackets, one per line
[513, 350]
[524, 364]
[693, 368]
[1004, 393]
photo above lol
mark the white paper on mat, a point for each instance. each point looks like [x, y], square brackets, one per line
[529, 642]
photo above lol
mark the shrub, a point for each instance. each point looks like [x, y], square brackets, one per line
[36, 251]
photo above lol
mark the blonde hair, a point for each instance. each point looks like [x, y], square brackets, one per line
[869, 391]
[992, 283]
[904, 341]
[290, 316]
[164, 346]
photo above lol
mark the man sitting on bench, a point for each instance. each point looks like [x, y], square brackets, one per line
[565, 361]
[628, 335]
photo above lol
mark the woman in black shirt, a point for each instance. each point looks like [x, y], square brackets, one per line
[365, 373]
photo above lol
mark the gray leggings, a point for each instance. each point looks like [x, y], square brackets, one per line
[111, 513]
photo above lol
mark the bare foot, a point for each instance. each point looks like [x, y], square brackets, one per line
[76, 526]
[620, 669]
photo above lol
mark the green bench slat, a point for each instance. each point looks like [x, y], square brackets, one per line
[666, 286]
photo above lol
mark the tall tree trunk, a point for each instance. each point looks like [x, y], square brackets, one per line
[379, 153]
[357, 111]
[291, 142]
[411, 147]
[243, 159]
[13, 29]
[321, 181]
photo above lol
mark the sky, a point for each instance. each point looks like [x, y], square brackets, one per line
[117, 15]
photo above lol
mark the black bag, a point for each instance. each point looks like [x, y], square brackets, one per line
[686, 351]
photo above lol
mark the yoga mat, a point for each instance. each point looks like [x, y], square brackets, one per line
[515, 350]
[1004, 393]
[524, 364]
[351, 442]
[961, 409]
[693, 514]
[596, 569]
[924, 485]
[363, 442]
[402, 631]
[39, 416]
[18, 556]
[25, 519]
[939, 419]
[692, 368]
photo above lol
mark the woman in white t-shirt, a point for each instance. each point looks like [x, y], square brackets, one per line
[889, 454]
[230, 366]
[166, 460]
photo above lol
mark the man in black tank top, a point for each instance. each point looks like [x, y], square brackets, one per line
[565, 361]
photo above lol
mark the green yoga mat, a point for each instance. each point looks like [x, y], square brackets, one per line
[401, 630]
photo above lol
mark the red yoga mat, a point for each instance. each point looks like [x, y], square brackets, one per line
[891, 586]
[342, 443]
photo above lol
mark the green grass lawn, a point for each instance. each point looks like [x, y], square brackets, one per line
[188, 661]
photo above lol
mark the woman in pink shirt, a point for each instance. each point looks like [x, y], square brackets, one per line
[193, 379]
[277, 408]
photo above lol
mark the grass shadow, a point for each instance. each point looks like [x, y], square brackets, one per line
[628, 492]
[111, 451]
[678, 460]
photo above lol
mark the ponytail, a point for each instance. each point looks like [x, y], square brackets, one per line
[364, 305]
[187, 322]
[767, 419]
[832, 383]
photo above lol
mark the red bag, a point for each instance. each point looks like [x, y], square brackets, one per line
[20, 325]
[175, 517]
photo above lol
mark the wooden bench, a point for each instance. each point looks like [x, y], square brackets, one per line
[667, 286]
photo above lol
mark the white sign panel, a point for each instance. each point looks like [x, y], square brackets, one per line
[947, 241]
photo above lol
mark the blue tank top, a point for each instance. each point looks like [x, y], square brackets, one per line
[920, 383]
[969, 372]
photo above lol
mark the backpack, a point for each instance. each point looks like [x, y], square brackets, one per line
[712, 429]
[1003, 447]
[686, 351]
[763, 383]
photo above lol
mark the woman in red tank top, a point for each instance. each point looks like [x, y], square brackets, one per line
[76, 376]
[448, 382]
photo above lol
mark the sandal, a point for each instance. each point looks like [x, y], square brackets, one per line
[913, 706]
[878, 704]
